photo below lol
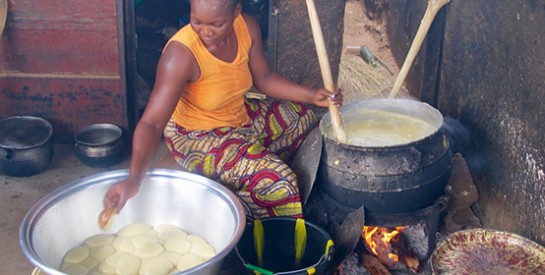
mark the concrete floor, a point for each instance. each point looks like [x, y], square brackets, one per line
[19, 194]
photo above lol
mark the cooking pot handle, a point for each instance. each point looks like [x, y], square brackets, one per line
[7, 154]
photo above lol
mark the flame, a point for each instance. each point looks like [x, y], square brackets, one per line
[385, 235]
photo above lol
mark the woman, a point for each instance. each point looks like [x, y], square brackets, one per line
[210, 128]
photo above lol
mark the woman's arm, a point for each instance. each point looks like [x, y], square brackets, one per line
[273, 84]
[176, 67]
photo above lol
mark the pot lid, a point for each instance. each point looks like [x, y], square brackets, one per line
[22, 132]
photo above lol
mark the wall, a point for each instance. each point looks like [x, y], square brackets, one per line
[60, 60]
[290, 44]
[484, 64]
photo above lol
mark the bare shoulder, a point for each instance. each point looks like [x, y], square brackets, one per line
[252, 25]
[178, 58]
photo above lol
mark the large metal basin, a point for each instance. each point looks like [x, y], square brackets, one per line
[67, 216]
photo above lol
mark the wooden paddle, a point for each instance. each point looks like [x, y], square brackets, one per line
[336, 121]
[433, 8]
[3, 15]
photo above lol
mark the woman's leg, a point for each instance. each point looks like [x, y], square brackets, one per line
[281, 125]
[235, 158]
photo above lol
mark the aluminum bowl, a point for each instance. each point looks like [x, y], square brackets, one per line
[100, 145]
[67, 216]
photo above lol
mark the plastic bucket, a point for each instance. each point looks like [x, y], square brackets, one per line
[287, 245]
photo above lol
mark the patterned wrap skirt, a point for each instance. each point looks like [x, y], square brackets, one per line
[250, 160]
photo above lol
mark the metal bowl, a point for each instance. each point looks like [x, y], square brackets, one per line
[25, 145]
[487, 251]
[67, 216]
[100, 145]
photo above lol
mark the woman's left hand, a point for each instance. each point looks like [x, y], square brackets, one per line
[322, 97]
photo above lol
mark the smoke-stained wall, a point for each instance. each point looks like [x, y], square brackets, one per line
[484, 64]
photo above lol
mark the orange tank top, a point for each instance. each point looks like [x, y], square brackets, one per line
[216, 99]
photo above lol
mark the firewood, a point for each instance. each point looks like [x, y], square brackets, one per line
[373, 265]
[406, 256]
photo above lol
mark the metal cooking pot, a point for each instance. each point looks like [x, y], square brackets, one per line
[25, 145]
[67, 216]
[100, 145]
[386, 179]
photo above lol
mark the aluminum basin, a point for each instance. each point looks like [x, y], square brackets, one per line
[67, 216]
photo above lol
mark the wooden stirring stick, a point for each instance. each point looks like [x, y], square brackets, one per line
[336, 121]
[433, 8]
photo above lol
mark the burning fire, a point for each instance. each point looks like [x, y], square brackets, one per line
[379, 239]
[389, 247]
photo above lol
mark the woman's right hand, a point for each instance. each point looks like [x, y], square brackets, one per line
[119, 193]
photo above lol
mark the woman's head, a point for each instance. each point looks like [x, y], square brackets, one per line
[213, 19]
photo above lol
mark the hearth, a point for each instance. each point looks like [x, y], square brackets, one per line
[345, 225]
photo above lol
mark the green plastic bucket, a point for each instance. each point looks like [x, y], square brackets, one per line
[284, 245]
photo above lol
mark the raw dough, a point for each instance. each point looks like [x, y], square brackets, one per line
[188, 261]
[181, 246]
[101, 252]
[100, 240]
[134, 229]
[76, 255]
[128, 264]
[124, 244]
[138, 249]
[175, 234]
[195, 238]
[157, 266]
[75, 269]
[203, 249]
[148, 250]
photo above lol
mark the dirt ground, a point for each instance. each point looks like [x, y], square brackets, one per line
[18, 195]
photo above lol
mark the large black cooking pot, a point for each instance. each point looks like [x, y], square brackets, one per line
[385, 179]
[25, 145]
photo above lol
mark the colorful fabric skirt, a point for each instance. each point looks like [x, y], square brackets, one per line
[250, 160]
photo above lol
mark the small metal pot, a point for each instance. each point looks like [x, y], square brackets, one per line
[100, 145]
[25, 145]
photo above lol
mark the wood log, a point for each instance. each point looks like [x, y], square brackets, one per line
[373, 265]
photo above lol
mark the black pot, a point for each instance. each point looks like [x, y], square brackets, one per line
[25, 145]
[387, 179]
[100, 145]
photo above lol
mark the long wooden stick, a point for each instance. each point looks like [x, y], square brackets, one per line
[433, 8]
[336, 121]
[3, 15]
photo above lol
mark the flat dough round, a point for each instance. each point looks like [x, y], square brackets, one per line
[188, 261]
[77, 254]
[134, 229]
[114, 258]
[75, 269]
[128, 264]
[101, 252]
[124, 244]
[99, 240]
[203, 249]
[173, 257]
[148, 250]
[162, 228]
[180, 246]
[157, 266]
[175, 234]
[89, 263]
[105, 268]
[196, 238]
[143, 240]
